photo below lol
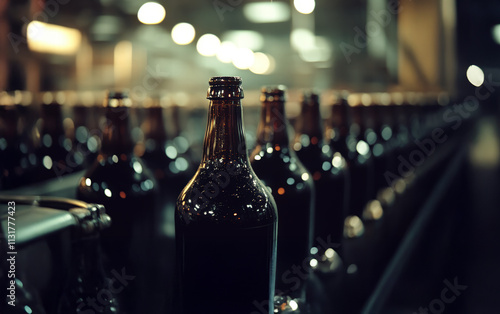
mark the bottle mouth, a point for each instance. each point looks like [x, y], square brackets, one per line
[117, 99]
[310, 98]
[225, 87]
[273, 93]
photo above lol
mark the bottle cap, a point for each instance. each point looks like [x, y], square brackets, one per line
[273, 93]
[117, 99]
[310, 98]
[225, 87]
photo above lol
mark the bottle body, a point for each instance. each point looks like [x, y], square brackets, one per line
[226, 220]
[227, 254]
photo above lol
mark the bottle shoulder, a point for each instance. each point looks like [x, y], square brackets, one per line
[282, 170]
[115, 176]
[226, 193]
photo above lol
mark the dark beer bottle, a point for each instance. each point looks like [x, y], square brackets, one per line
[279, 168]
[54, 149]
[84, 145]
[328, 170]
[359, 156]
[88, 289]
[337, 125]
[226, 219]
[121, 182]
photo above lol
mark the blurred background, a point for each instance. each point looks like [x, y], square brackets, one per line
[175, 46]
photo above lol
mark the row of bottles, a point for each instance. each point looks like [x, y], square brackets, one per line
[240, 235]
[59, 133]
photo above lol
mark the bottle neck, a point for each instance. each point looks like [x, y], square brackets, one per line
[156, 127]
[273, 125]
[224, 137]
[117, 138]
[310, 122]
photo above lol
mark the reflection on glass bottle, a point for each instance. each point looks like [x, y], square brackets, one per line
[279, 168]
[226, 219]
[121, 182]
[329, 173]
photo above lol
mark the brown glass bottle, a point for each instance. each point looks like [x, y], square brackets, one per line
[172, 170]
[337, 128]
[87, 288]
[378, 121]
[121, 182]
[82, 132]
[329, 173]
[226, 219]
[359, 157]
[54, 149]
[279, 168]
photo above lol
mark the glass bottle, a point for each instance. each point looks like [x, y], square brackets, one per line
[359, 156]
[82, 133]
[121, 182]
[226, 219]
[329, 173]
[279, 168]
[172, 169]
[337, 126]
[88, 289]
[54, 149]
